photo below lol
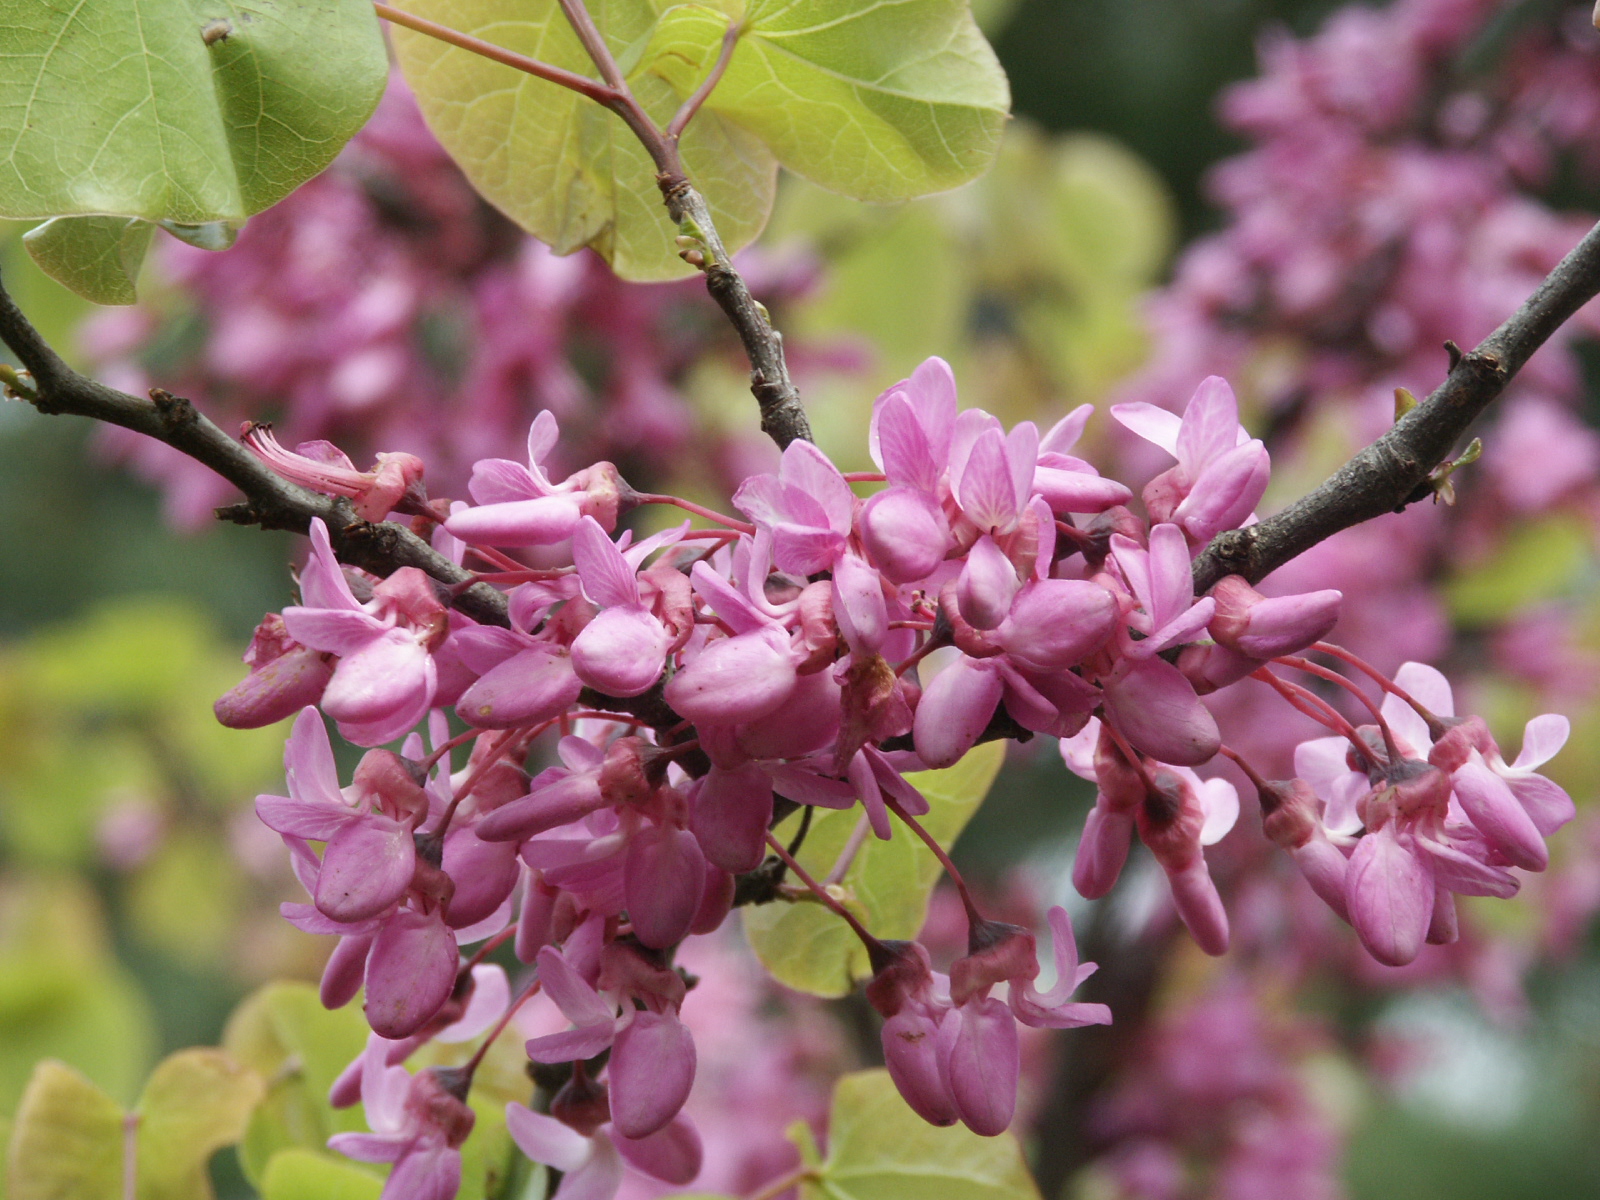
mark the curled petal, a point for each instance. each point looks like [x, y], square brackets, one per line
[410, 973]
[665, 875]
[1493, 808]
[955, 708]
[984, 1061]
[366, 867]
[652, 1070]
[672, 1154]
[911, 1052]
[735, 679]
[1389, 893]
[546, 1140]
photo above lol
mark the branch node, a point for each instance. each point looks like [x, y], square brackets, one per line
[174, 411]
[1454, 351]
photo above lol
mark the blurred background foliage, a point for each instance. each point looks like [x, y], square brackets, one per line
[138, 895]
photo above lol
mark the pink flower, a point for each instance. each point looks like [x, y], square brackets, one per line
[386, 676]
[418, 1124]
[519, 505]
[652, 1062]
[1221, 473]
[395, 482]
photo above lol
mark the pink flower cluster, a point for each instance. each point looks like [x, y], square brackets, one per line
[811, 654]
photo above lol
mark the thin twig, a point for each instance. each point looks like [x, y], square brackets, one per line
[1393, 471]
[271, 501]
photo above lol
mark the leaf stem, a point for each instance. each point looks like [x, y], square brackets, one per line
[687, 110]
[598, 92]
[783, 1183]
[821, 893]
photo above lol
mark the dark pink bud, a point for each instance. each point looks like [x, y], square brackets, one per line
[276, 690]
[905, 532]
[664, 877]
[984, 1060]
[529, 687]
[986, 585]
[716, 901]
[341, 978]
[411, 971]
[1390, 894]
[652, 1069]
[1262, 628]
[484, 874]
[1156, 709]
[1102, 850]
[911, 1052]
[731, 812]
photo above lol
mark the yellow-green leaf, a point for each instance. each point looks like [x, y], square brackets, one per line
[67, 1142]
[297, 1174]
[878, 1149]
[196, 1102]
[879, 101]
[97, 257]
[808, 948]
[562, 167]
[184, 111]
[299, 1048]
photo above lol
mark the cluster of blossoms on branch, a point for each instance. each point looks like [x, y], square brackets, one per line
[705, 681]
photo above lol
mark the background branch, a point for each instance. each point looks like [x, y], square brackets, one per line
[270, 500]
[1393, 471]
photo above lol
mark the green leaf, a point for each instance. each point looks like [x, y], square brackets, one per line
[878, 1149]
[183, 111]
[299, 1047]
[196, 1102]
[67, 1142]
[97, 257]
[297, 1174]
[879, 101]
[808, 948]
[562, 167]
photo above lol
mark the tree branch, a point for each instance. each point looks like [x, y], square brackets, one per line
[270, 500]
[1393, 471]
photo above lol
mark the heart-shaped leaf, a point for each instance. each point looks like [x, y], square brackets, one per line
[193, 112]
[808, 948]
[878, 1149]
